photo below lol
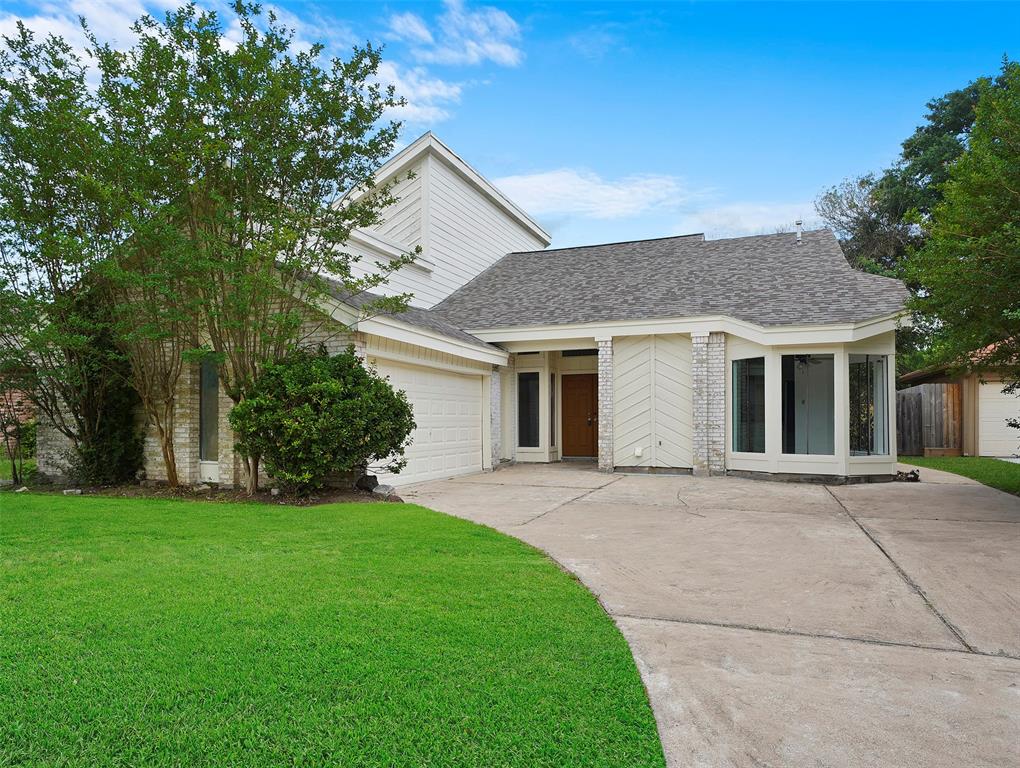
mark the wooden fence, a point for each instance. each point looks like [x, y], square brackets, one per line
[929, 419]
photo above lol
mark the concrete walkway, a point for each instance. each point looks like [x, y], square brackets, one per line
[786, 624]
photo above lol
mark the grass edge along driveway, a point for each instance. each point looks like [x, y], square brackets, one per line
[158, 632]
[995, 473]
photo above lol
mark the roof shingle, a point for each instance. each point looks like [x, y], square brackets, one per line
[764, 279]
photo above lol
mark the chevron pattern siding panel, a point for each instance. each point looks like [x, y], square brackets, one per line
[652, 401]
[672, 401]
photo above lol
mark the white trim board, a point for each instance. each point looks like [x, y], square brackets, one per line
[387, 249]
[830, 333]
[391, 328]
[429, 143]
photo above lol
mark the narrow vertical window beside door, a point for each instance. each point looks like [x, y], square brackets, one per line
[552, 410]
[208, 412]
[869, 410]
[749, 405]
[527, 410]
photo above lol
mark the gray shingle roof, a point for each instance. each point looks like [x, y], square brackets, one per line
[763, 279]
[419, 318]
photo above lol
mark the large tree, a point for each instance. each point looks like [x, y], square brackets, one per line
[968, 272]
[879, 217]
[55, 226]
[872, 238]
[264, 157]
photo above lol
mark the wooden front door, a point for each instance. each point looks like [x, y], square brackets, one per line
[580, 414]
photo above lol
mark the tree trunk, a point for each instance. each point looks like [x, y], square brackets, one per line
[166, 445]
[251, 465]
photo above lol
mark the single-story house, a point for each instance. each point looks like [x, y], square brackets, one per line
[766, 354]
[983, 409]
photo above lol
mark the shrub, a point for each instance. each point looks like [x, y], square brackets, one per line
[311, 415]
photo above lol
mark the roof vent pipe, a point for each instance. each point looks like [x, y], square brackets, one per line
[798, 223]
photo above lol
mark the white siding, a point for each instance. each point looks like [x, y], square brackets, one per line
[467, 232]
[461, 232]
[402, 220]
[652, 401]
[402, 226]
[995, 437]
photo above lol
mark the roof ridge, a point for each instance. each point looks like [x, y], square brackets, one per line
[673, 237]
[616, 242]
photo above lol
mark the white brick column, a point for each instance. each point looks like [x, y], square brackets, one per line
[495, 416]
[605, 387]
[708, 374]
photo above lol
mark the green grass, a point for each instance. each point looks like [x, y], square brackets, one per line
[5, 467]
[158, 632]
[998, 474]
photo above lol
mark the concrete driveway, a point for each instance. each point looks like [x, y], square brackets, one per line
[788, 624]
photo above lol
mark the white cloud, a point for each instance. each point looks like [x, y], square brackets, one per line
[572, 192]
[748, 218]
[428, 97]
[409, 27]
[110, 20]
[566, 197]
[463, 36]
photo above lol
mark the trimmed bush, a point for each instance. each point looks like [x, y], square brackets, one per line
[311, 415]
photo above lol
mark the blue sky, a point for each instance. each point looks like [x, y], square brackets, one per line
[629, 120]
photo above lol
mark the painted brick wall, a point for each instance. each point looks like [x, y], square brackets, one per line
[186, 419]
[708, 373]
[605, 385]
[495, 415]
[52, 452]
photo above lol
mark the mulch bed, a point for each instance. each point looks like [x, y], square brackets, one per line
[264, 496]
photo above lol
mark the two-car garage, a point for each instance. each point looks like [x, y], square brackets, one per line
[448, 439]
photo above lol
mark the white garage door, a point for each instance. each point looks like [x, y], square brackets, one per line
[448, 414]
[995, 438]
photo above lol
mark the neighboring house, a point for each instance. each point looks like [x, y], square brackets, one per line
[983, 408]
[764, 354]
[15, 408]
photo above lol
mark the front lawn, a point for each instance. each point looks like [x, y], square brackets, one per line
[998, 474]
[162, 632]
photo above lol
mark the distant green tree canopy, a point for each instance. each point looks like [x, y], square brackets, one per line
[879, 217]
[882, 218]
[967, 273]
